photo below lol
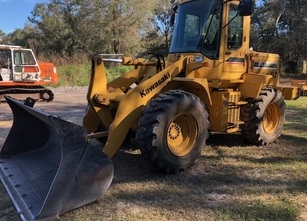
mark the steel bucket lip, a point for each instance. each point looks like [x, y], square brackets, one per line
[11, 195]
[87, 152]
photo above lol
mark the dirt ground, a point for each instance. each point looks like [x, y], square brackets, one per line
[69, 104]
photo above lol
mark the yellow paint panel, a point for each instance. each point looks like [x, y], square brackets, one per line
[290, 93]
[252, 85]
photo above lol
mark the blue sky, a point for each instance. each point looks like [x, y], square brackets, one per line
[14, 13]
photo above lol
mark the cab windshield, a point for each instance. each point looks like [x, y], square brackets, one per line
[24, 57]
[197, 28]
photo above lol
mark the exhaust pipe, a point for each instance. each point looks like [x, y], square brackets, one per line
[47, 165]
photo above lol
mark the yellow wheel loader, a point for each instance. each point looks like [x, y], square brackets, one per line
[211, 81]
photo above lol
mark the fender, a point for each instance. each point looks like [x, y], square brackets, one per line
[196, 86]
[253, 83]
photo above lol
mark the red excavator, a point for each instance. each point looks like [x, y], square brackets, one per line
[21, 75]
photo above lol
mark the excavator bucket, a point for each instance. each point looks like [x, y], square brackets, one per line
[47, 166]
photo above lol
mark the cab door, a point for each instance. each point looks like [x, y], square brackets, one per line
[235, 42]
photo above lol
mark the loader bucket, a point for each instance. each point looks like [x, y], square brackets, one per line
[48, 167]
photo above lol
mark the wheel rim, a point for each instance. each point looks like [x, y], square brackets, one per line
[271, 118]
[181, 134]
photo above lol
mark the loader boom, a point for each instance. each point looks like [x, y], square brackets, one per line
[130, 105]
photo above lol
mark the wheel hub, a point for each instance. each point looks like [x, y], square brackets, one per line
[174, 131]
[271, 118]
[181, 134]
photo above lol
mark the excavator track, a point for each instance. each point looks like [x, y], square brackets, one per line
[42, 92]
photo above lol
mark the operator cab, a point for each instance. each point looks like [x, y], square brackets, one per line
[199, 26]
[25, 66]
[18, 64]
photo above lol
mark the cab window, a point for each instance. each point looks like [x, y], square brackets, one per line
[235, 28]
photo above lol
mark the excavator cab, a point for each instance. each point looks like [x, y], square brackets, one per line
[22, 75]
[18, 65]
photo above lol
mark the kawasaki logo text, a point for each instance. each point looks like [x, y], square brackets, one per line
[146, 91]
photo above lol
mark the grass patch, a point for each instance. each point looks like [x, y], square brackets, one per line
[74, 74]
[279, 209]
[300, 103]
[296, 120]
[233, 180]
[79, 74]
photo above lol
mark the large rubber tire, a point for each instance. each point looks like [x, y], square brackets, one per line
[264, 117]
[173, 130]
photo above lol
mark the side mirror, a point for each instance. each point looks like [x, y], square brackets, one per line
[172, 20]
[174, 9]
[246, 7]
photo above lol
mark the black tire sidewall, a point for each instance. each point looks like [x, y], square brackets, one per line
[275, 96]
[190, 106]
[152, 133]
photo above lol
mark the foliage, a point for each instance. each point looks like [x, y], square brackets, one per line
[74, 75]
[161, 24]
[115, 72]
[78, 74]
[68, 27]
[279, 26]
[92, 26]
[2, 36]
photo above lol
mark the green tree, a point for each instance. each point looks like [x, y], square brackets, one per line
[279, 26]
[21, 36]
[2, 37]
[159, 37]
[91, 26]
[125, 24]
[63, 25]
